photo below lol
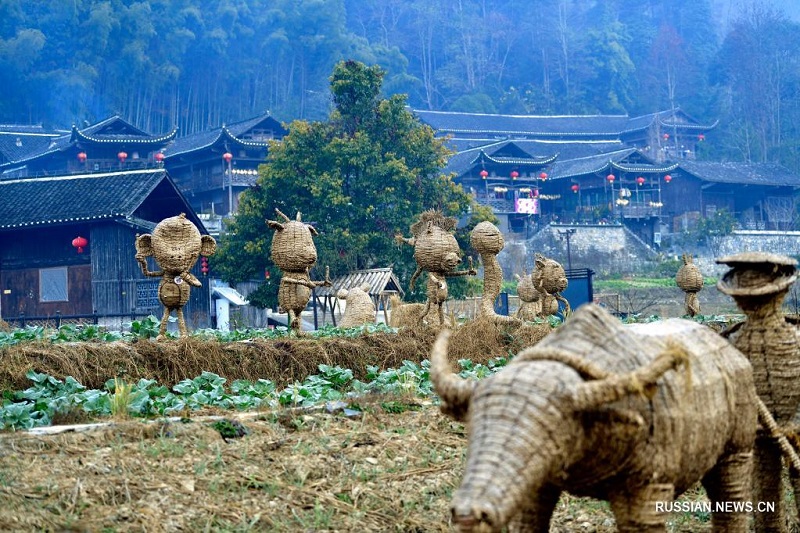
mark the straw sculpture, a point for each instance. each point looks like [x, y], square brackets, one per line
[436, 251]
[360, 308]
[550, 280]
[530, 306]
[758, 283]
[410, 315]
[690, 280]
[487, 240]
[175, 244]
[293, 251]
[595, 409]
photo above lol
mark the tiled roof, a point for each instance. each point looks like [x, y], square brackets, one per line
[17, 144]
[232, 132]
[587, 165]
[379, 280]
[61, 199]
[116, 130]
[742, 173]
[527, 125]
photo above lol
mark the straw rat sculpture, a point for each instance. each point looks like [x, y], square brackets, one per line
[594, 409]
[293, 251]
[175, 244]
[550, 280]
[360, 308]
[758, 283]
[435, 250]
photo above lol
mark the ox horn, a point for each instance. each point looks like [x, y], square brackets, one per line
[454, 391]
[284, 217]
[593, 394]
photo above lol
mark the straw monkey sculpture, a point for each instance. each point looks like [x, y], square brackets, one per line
[435, 250]
[293, 251]
[631, 414]
[175, 244]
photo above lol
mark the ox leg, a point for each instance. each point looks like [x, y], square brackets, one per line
[536, 514]
[182, 323]
[636, 510]
[162, 330]
[729, 481]
[294, 322]
[768, 484]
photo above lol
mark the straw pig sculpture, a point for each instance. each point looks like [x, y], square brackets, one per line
[360, 308]
[758, 283]
[550, 280]
[435, 250]
[594, 409]
[293, 251]
[175, 244]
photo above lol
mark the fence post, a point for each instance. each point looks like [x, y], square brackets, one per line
[58, 319]
[95, 318]
[22, 320]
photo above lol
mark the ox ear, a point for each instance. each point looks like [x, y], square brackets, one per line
[596, 393]
[144, 245]
[208, 246]
[277, 226]
[312, 229]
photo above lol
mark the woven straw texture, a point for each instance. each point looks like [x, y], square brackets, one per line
[549, 279]
[759, 283]
[360, 308]
[530, 305]
[293, 248]
[435, 247]
[487, 240]
[689, 278]
[597, 409]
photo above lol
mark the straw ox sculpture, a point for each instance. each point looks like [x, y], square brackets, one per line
[175, 244]
[631, 414]
[435, 250]
[293, 251]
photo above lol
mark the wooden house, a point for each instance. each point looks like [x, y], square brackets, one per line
[44, 274]
[212, 168]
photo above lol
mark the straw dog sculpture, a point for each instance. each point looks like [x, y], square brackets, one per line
[596, 409]
[293, 251]
[175, 244]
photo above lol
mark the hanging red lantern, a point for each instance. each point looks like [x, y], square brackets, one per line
[666, 136]
[79, 243]
[82, 157]
[227, 156]
[543, 176]
[122, 156]
[701, 137]
[484, 174]
[514, 174]
[610, 178]
[204, 265]
[640, 180]
[667, 178]
[575, 187]
[159, 157]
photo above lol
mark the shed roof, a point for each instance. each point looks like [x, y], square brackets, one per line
[67, 199]
[770, 174]
[380, 280]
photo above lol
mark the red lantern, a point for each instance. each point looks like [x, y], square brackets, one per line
[159, 157]
[122, 156]
[79, 243]
[575, 187]
[610, 178]
[82, 157]
[543, 176]
[666, 136]
[484, 174]
[640, 180]
[204, 265]
[514, 174]
[227, 156]
[667, 178]
[701, 137]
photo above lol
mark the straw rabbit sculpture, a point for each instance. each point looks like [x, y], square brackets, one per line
[293, 251]
[550, 280]
[435, 250]
[360, 308]
[175, 244]
[596, 409]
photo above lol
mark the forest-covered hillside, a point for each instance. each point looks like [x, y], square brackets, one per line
[195, 64]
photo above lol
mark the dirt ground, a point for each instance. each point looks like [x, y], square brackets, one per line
[393, 467]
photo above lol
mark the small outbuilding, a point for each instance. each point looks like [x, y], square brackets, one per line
[382, 285]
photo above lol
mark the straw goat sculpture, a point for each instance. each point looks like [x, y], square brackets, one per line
[596, 409]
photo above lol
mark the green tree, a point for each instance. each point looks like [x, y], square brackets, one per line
[360, 178]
